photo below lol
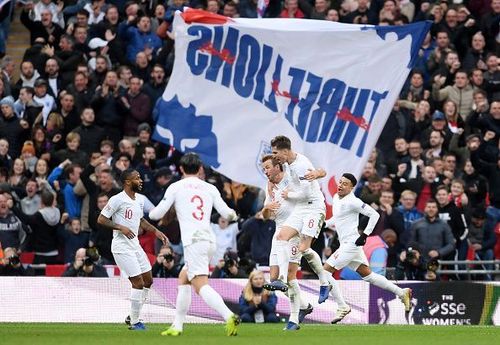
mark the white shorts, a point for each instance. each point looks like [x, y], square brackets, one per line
[307, 219]
[295, 254]
[133, 264]
[197, 257]
[349, 255]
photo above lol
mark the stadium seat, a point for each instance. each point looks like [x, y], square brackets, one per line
[152, 258]
[27, 257]
[54, 270]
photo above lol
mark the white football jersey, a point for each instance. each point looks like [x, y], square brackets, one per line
[303, 191]
[193, 200]
[345, 217]
[286, 205]
[127, 212]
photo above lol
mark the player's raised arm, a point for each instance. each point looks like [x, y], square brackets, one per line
[162, 208]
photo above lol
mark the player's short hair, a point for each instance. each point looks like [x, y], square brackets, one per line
[281, 142]
[272, 158]
[126, 175]
[191, 163]
[351, 178]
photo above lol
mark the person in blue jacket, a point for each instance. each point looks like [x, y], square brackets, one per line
[256, 304]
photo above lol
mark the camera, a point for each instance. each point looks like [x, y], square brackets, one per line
[88, 261]
[14, 260]
[168, 257]
[412, 256]
[228, 260]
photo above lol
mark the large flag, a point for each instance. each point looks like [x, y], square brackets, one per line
[329, 87]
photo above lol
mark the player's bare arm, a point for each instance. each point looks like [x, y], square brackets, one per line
[314, 174]
[108, 223]
[147, 226]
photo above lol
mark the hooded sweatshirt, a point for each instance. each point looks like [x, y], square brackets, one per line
[44, 226]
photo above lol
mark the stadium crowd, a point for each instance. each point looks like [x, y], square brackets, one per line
[81, 112]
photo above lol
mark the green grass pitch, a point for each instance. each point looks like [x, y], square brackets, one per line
[110, 334]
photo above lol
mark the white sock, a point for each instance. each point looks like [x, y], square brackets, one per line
[282, 250]
[214, 301]
[294, 295]
[145, 295]
[335, 291]
[182, 304]
[135, 305]
[314, 262]
[383, 283]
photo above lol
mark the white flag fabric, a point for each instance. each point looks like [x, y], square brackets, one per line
[327, 86]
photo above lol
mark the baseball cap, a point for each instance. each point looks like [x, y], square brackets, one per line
[438, 115]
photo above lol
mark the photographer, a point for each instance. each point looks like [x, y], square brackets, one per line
[166, 265]
[229, 267]
[12, 264]
[85, 265]
[411, 266]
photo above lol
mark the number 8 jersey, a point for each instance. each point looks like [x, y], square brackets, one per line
[193, 200]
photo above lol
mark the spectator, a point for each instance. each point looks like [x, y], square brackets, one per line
[410, 214]
[482, 238]
[72, 152]
[424, 186]
[412, 266]
[225, 234]
[25, 107]
[256, 304]
[101, 236]
[5, 158]
[460, 92]
[43, 28]
[68, 112]
[156, 85]
[71, 234]
[432, 235]
[291, 10]
[12, 265]
[390, 217]
[106, 104]
[12, 233]
[138, 107]
[139, 38]
[90, 134]
[476, 186]
[32, 201]
[13, 129]
[228, 267]
[165, 265]
[254, 239]
[72, 202]
[44, 229]
[85, 266]
[454, 217]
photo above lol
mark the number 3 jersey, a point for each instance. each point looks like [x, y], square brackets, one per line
[193, 200]
[127, 212]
